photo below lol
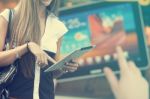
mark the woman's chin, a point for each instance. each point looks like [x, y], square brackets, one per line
[46, 3]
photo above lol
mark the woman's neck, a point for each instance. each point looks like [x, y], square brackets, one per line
[42, 11]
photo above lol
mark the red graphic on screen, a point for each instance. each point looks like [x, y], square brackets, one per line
[107, 34]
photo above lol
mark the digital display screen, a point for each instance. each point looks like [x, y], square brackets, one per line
[106, 27]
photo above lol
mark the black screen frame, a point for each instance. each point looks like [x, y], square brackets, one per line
[143, 49]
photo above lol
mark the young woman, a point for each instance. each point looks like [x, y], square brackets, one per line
[32, 22]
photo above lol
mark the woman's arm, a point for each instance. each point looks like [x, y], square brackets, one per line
[8, 57]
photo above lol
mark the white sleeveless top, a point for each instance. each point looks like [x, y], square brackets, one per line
[53, 31]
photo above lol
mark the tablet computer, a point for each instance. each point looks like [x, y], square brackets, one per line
[74, 55]
[106, 24]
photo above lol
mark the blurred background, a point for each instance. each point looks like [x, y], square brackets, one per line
[86, 86]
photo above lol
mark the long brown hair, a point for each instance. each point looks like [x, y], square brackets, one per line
[26, 27]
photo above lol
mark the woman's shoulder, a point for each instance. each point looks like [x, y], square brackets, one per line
[53, 18]
[5, 14]
[52, 15]
[58, 25]
[55, 21]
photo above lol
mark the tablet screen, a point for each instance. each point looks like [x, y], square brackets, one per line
[106, 25]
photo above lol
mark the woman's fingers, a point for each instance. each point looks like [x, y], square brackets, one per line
[42, 58]
[72, 64]
[70, 68]
[112, 80]
[123, 64]
[49, 58]
[134, 69]
[38, 61]
[45, 61]
[73, 61]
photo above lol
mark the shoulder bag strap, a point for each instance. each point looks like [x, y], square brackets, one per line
[8, 28]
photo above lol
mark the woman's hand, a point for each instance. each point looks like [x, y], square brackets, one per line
[132, 84]
[41, 57]
[71, 66]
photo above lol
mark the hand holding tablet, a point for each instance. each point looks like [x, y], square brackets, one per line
[74, 55]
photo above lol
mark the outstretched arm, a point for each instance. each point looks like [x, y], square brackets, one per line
[131, 85]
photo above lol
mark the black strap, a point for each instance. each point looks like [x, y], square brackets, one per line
[8, 28]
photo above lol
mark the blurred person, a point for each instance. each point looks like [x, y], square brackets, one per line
[132, 85]
[32, 20]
